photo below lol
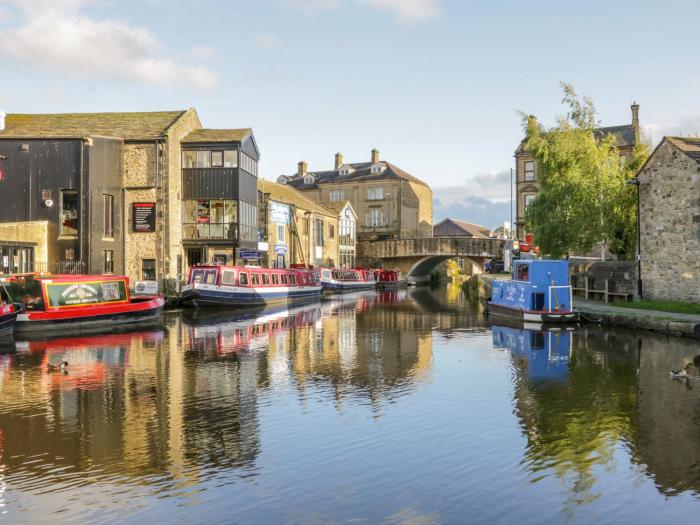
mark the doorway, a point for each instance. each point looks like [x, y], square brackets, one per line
[195, 256]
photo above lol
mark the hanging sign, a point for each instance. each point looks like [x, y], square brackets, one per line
[144, 217]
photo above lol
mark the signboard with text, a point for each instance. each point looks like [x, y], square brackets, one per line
[144, 217]
[279, 213]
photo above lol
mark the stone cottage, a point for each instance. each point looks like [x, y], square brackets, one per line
[669, 193]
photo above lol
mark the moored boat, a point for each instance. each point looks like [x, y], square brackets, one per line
[8, 316]
[390, 278]
[77, 302]
[219, 285]
[538, 292]
[337, 280]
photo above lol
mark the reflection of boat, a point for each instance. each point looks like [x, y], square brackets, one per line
[547, 351]
[336, 280]
[250, 330]
[57, 302]
[217, 285]
[539, 292]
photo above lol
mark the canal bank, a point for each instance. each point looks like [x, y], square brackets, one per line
[607, 314]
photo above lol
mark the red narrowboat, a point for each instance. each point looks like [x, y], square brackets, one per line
[78, 302]
[390, 278]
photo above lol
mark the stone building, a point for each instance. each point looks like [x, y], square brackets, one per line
[103, 192]
[456, 228]
[298, 230]
[627, 137]
[390, 203]
[669, 195]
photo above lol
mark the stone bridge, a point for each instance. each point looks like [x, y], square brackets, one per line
[418, 257]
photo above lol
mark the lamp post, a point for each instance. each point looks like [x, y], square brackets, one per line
[635, 182]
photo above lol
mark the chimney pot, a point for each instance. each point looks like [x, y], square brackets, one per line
[302, 168]
[375, 156]
[338, 160]
[635, 122]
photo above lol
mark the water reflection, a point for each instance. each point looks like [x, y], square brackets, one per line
[374, 406]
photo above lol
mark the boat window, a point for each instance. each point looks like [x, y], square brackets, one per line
[255, 279]
[197, 276]
[210, 277]
[336, 275]
[228, 277]
[243, 279]
[327, 273]
[275, 278]
[292, 279]
[265, 279]
[522, 273]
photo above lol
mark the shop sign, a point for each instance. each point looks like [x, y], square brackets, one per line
[249, 254]
[144, 217]
[279, 213]
[146, 287]
[76, 294]
[281, 248]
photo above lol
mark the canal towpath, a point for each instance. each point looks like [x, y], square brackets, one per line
[677, 324]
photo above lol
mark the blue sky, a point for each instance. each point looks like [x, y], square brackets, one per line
[434, 84]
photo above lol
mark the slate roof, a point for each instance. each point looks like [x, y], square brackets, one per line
[217, 135]
[361, 172]
[688, 145]
[286, 195]
[469, 229]
[129, 126]
[624, 136]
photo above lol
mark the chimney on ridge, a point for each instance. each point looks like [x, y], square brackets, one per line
[338, 160]
[302, 168]
[375, 156]
[635, 122]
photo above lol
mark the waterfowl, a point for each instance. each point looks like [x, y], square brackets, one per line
[683, 372]
[62, 366]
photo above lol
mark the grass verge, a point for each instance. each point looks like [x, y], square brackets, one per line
[664, 306]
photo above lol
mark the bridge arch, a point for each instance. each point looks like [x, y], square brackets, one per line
[421, 269]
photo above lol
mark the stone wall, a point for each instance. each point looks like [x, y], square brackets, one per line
[425, 208]
[618, 279]
[38, 232]
[670, 225]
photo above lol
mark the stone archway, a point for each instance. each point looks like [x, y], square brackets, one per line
[421, 270]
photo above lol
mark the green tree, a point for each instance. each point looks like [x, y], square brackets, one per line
[583, 199]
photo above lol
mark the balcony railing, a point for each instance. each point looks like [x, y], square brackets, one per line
[209, 231]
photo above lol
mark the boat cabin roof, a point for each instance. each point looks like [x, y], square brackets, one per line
[67, 278]
[541, 271]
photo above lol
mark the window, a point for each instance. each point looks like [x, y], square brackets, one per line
[228, 277]
[203, 159]
[309, 179]
[243, 279]
[275, 278]
[265, 279]
[337, 195]
[189, 158]
[69, 212]
[283, 278]
[331, 232]
[108, 256]
[217, 159]
[344, 171]
[281, 233]
[376, 168]
[529, 170]
[255, 279]
[528, 199]
[375, 217]
[318, 227]
[230, 158]
[249, 164]
[148, 269]
[375, 194]
[108, 204]
[204, 219]
[292, 279]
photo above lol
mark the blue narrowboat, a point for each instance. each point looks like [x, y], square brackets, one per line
[538, 292]
[245, 286]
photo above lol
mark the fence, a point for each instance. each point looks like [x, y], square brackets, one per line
[63, 267]
[608, 281]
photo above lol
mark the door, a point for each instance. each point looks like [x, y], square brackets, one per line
[195, 256]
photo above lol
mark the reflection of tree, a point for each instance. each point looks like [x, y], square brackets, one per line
[572, 427]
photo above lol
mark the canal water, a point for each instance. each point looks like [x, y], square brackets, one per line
[403, 407]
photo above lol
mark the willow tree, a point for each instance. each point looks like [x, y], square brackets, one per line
[583, 200]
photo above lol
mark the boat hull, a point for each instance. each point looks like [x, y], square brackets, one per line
[8, 316]
[532, 316]
[347, 286]
[392, 284]
[203, 295]
[102, 316]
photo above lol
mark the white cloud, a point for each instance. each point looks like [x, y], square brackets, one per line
[62, 38]
[409, 11]
[405, 11]
[267, 41]
[681, 126]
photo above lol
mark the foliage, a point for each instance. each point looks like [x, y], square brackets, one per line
[583, 199]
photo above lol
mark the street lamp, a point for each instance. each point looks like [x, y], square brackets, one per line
[635, 182]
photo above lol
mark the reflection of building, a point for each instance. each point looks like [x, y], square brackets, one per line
[626, 136]
[297, 229]
[120, 192]
[389, 202]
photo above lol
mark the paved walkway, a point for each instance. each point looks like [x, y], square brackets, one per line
[596, 307]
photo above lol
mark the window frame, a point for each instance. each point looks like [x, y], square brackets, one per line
[108, 216]
[529, 175]
[108, 261]
[219, 153]
[372, 192]
[62, 195]
[145, 271]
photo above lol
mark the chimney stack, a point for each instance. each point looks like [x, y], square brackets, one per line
[375, 156]
[2, 120]
[635, 122]
[338, 160]
[302, 168]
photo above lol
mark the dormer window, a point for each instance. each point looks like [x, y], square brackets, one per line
[309, 179]
[344, 171]
[376, 169]
[282, 179]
